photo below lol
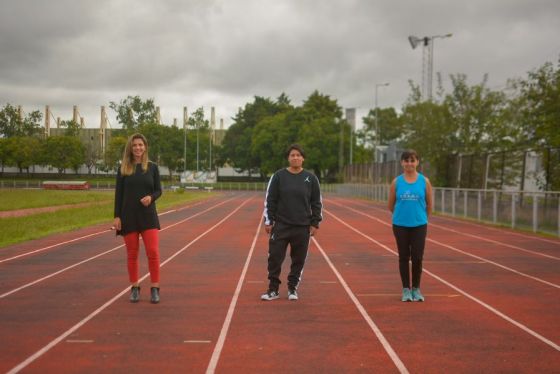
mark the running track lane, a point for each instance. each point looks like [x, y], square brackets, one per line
[530, 297]
[341, 245]
[450, 331]
[81, 340]
[76, 250]
[39, 313]
[322, 332]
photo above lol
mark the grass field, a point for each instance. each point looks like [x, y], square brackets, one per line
[18, 229]
[23, 199]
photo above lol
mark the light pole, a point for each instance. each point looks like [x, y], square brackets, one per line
[185, 124]
[427, 60]
[376, 144]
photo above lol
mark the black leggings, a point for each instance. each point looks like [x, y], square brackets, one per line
[410, 242]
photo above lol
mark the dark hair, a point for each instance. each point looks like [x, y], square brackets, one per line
[297, 147]
[409, 153]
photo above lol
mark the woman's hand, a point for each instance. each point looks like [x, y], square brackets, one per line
[146, 200]
[268, 229]
[313, 230]
[117, 224]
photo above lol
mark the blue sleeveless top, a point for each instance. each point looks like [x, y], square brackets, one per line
[410, 204]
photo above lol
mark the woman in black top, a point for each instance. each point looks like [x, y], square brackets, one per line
[138, 187]
[292, 214]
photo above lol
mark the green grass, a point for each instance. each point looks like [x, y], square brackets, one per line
[19, 229]
[22, 199]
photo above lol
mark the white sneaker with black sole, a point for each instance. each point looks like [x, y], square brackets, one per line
[270, 295]
[292, 295]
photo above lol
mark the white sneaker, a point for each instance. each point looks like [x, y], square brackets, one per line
[292, 295]
[270, 295]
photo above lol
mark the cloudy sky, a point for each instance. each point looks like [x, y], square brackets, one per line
[222, 53]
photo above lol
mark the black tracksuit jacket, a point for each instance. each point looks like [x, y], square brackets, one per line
[293, 199]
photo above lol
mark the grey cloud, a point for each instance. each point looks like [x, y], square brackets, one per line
[221, 53]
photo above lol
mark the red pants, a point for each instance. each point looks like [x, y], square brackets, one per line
[151, 243]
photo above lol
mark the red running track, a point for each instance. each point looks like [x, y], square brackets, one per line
[492, 299]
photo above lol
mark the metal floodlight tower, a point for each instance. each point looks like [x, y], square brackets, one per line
[427, 60]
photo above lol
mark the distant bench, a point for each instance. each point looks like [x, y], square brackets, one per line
[66, 185]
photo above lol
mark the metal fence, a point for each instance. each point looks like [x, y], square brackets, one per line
[533, 170]
[534, 211]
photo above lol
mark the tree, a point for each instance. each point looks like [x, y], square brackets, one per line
[13, 123]
[319, 133]
[539, 100]
[538, 105]
[478, 114]
[427, 129]
[3, 152]
[236, 146]
[165, 144]
[72, 128]
[92, 156]
[270, 139]
[133, 112]
[22, 152]
[198, 132]
[389, 123]
[64, 152]
[114, 153]
[172, 149]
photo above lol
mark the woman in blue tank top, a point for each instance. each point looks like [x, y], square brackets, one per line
[410, 201]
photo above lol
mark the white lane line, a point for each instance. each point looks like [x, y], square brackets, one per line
[227, 322]
[464, 293]
[101, 254]
[399, 295]
[532, 237]
[495, 242]
[64, 335]
[54, 245]
[197, 341]
[490, 240]
[57, 272]
[496, 264]
[396, 360]
[465, 253]
[453, 262]
[72, 240]
[497, 312]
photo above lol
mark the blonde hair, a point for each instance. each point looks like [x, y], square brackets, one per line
[127, 165]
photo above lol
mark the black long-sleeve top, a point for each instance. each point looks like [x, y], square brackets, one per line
[130, 189]
[293, 199]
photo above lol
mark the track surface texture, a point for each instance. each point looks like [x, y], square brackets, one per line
[492, 299]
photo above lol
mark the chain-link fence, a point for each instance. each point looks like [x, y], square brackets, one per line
[525, 170]
[534, 211]
[373, 172]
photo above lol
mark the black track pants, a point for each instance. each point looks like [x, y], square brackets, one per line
[281, 236]
[410, 242]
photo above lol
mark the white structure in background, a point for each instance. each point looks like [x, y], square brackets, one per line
[191, 176]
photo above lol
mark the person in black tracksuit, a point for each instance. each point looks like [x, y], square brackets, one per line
[292, 214]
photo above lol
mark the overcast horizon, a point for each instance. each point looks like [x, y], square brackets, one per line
[222, 54]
